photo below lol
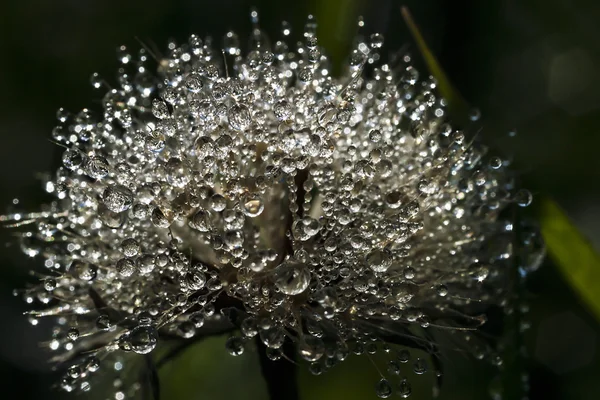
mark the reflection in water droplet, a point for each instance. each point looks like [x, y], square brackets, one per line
[235, 346]
[383, 389]
[117, 198]
[292, 278]
[143, 339]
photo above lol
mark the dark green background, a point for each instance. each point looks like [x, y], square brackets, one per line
[530, 65]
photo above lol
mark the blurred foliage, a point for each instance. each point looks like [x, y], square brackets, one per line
[572, 253]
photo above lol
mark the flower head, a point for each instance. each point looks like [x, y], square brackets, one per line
[258, 192]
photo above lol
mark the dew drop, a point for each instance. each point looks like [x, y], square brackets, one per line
[383, 389]
[379, 260]
[272, 337]
[218, 202]
[84, 271]
[235, 346]
[117, 198]
[253, 205]
[73, 333]
[178, 174]
[311, 348]
[404, 388]
[159, 219]
[97, 167]
[239, 117]
[143, 339]
[125, 267]
[130, 247]
[282, 110]
[249, 328]
[292, 277]
[523, 198]
[72, 159]
[495, 162]
[403, 356]
[375, 135]
[160, 109]
[420, 366]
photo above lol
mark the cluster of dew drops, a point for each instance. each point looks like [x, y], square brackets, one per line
[327, 211]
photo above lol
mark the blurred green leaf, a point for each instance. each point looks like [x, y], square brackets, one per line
[572, 253]
[336, 27]
[206, 371]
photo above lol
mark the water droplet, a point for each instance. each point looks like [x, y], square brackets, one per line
[125, 267]
[403, 356]
[73, 333]
[93, 364]
[235, 346]
[379, 260]
[495, 162]
[160, 219]
[523, 198]
[117, 198]
[218, 202]
[143, 339]
[383, 389]
[130, 247]
[97, 167]
[160, 109]
[72, 159]
[292, 277]
[178, 174]
[420, 366]
[442, 290]
[193, 83]
[103, 322]
[282, 110]
[239, 117]
[84, 271]
[375, 135]
[393, 368]
[50, 284]
[474, 114]
[253, 205]
[376, 41]
[427, 186]
[272, 337]
[478, 272]
[404, 388]
[249, 327]
[311, 348]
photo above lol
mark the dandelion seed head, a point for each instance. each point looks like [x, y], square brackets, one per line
[329, 211]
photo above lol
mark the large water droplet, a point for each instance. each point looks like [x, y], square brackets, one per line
[178, 174]
[117, 198]
[201, 221]
[160, 109]
[83, 270]
[253, 205]
[404, 388]
[292, 277]
[143, 339]
[97, 167]
[125, 267]
[311, 348]
[379, 260]
[235, 346]
[72, 159]
[383, 389]
[239, 117]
